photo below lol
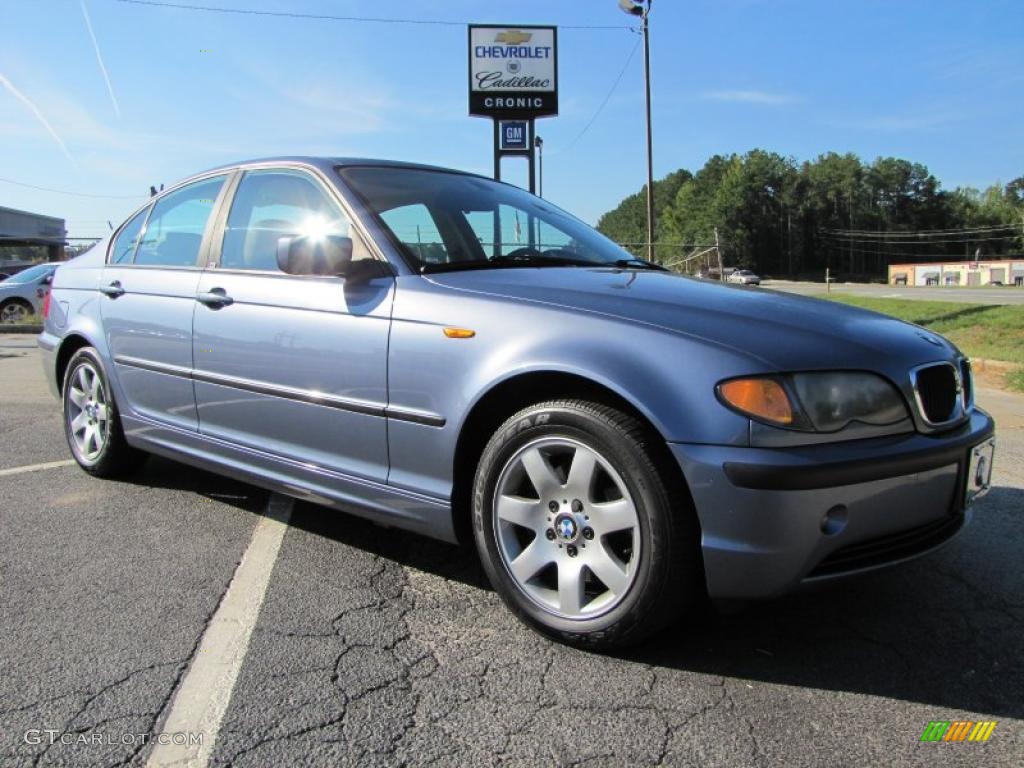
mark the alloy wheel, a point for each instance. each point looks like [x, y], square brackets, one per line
[13, 313]
[567, 528]
[88, 412]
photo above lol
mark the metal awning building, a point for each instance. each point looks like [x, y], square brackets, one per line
[24, 228]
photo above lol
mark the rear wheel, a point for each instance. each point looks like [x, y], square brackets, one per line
[581, 530]
[15, 311]
[92, 424]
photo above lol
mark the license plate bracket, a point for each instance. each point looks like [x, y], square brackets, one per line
[979, 471]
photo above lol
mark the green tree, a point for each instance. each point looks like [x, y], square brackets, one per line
[831, 212]
[627, 223]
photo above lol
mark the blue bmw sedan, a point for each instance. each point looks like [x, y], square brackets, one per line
[441, 352]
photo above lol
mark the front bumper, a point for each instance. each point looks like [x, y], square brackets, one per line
[773, 519]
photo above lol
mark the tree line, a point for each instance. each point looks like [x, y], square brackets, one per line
[779, 217]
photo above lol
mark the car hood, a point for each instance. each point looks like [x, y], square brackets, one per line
[785, 332]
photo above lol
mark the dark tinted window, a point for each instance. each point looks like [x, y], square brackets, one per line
[123, 249]
[273, 204]
[175, 228]
[479, 222]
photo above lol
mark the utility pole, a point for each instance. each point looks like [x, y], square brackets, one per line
[642, 8]
[650, 140]
[718, 252]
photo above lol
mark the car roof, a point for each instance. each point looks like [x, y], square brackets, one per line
[329, 163]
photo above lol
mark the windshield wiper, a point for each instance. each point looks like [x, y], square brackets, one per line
[640, 264]
[531, 260]
[504, 262]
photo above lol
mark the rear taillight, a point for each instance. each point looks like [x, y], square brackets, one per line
[46, 305]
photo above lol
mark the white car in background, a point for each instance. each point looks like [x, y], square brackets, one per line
[744, 277]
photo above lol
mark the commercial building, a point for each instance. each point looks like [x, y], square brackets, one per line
[995, 272]
[23, 229]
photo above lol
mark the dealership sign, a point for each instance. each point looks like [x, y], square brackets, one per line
[513, 71]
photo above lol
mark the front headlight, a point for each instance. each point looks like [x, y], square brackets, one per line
[815, 402]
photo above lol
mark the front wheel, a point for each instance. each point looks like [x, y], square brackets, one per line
[584, 533]
[92, 424]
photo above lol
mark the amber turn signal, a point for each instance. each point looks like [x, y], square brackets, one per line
[459, 333]
[761, 398]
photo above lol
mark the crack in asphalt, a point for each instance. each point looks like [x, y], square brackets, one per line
[389, 653]
[385, 649]
[427, 668]
[992, 601]
[91, 698]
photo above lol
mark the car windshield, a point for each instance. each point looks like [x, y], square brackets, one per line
[28, 275]
[447, 221]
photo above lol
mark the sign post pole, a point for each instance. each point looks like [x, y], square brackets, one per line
[530, 158]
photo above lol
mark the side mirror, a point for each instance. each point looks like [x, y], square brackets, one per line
[47, 280]
[329, 255]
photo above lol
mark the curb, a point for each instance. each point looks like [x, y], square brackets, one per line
[12, 328]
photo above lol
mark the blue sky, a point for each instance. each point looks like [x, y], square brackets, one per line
[936, 81]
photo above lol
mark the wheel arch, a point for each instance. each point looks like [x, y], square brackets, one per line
[19, 300]
[68, 346]
[519, 391]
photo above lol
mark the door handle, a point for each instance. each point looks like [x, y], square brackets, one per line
[113, 290]
[215, 298]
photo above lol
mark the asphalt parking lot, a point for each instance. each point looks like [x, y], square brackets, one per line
[376, 647]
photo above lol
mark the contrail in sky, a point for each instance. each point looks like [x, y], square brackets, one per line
[99, 58]
[39, 116]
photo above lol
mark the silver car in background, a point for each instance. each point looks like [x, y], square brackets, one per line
[22, 294]
[440, 352]
[743, 277]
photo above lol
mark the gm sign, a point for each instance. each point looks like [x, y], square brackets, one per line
[513, 135]
[513, 72]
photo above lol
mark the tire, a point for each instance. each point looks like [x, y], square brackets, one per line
[92, 423]
[606, 529]
[15, 311]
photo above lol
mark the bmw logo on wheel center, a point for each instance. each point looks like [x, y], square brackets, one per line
[513, 71]
[566, 528]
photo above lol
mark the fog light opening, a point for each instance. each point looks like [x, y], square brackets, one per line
[834, 521]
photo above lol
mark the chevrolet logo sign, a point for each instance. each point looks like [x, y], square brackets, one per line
[513, 37]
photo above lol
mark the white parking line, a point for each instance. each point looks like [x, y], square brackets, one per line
[36, 467]
[204, 693]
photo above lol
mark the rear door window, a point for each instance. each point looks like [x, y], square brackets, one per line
[175, 229]
[123, 249]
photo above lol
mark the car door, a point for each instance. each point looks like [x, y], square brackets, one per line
[293, 366]
[149, 296]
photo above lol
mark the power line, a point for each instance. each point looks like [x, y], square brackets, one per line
[66, 192]
[920, 232]
[597, 112]
[941, 257]
[962, 240]
[333, 17]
